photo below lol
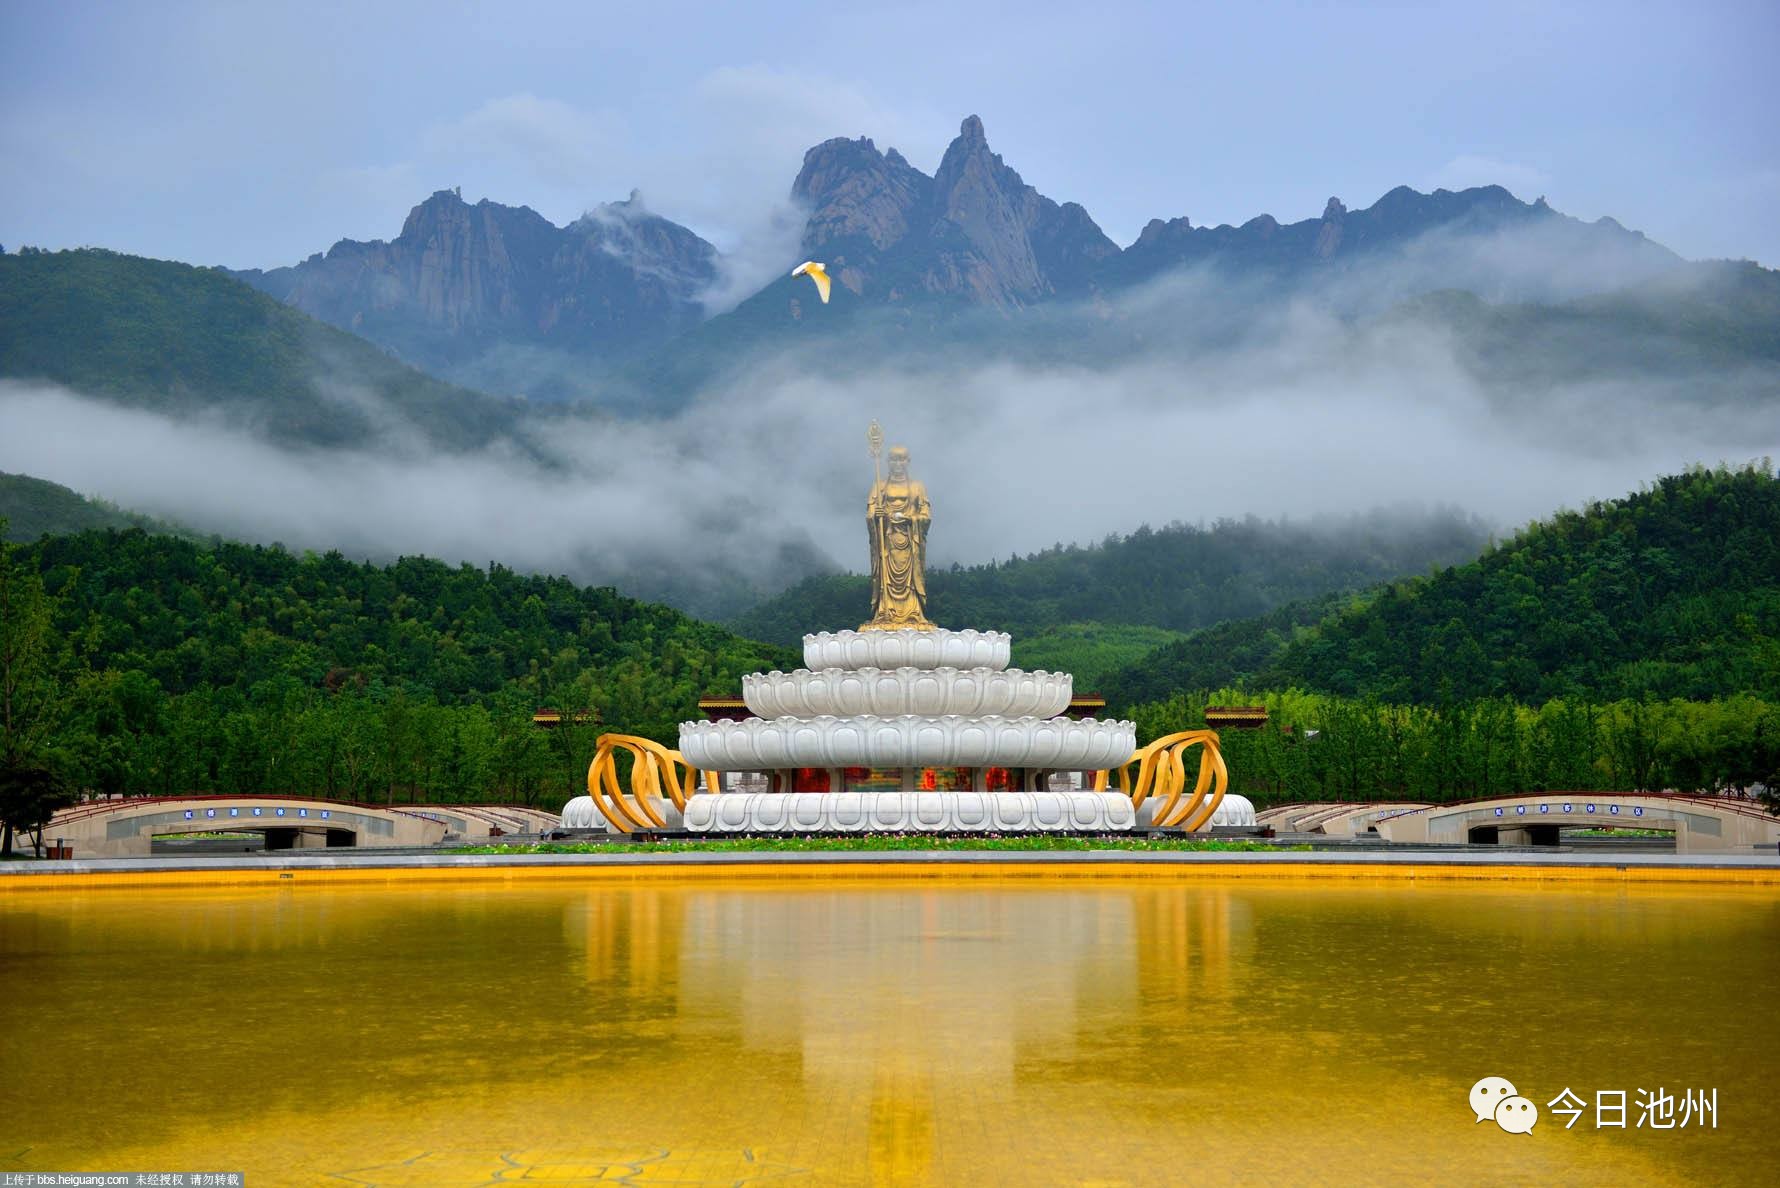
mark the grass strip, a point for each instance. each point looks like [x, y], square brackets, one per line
[878, 842]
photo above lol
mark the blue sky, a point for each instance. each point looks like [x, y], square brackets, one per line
[254, 134]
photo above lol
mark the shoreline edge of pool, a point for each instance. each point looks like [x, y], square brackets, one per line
[885, 866]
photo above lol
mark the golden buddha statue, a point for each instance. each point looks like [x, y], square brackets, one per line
[896, 518]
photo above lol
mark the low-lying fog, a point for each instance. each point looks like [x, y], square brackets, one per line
[766, 473]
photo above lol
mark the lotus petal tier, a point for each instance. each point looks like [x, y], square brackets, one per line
[907, 741]
[928, 692]
[907, 648]
[908, 812]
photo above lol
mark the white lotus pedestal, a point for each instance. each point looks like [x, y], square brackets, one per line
[909, 812]
[898, 704]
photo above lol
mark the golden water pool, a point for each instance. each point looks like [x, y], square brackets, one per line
[1161, 1029]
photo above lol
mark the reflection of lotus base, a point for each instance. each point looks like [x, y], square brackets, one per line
[909, 812]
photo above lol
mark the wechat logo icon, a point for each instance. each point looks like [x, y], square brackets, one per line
[1495, 1098]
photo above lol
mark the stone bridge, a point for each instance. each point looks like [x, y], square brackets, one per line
[128, 827]
[1337, 819]
[1701, 824]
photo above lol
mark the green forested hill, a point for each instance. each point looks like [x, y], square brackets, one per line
[1175, 578]
[32, 507]
[231, 616]
[1671, 592]
[181, 666]
[155, 334]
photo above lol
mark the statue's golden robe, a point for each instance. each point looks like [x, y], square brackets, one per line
[896, 517]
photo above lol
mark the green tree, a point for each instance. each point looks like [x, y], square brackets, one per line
[29, 797]
[27, 688]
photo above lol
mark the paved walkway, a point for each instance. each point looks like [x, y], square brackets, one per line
[630, 863]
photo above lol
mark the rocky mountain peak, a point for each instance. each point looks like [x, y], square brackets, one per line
[445, 218]
[993, 208]
[974, 229]
[626, 211]
[854, 192]
[827, 163]
[629, 209]
[658, 250]
[1400, 218]
[1328, 237]
[969, 153]
[1156, 230]
[465, 282]
[1022, 245]
[443, 206]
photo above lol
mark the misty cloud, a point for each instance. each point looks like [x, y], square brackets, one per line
[1195, 397]
[1281, 411]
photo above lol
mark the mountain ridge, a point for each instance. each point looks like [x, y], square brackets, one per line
[31, 508]
[608, 307]
[181, 339]
[463, 285]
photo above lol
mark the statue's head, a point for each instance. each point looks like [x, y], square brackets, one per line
[899, 462]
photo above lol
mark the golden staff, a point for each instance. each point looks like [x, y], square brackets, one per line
[874, 437]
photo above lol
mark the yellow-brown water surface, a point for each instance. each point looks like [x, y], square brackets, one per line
[1154, 1030]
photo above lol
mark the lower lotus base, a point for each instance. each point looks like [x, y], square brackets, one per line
[909, 812]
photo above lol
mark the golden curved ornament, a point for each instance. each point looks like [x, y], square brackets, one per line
[1162, 772]
[653, 768]
[1171, 781]
[1213, 775]
[609, 798]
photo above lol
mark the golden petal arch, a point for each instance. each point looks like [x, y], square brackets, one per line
[653, 768]
[1161, 772]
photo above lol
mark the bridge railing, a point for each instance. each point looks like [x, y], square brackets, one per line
[92, 808]
[1730, 804]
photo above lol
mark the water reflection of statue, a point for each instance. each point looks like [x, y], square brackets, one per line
[896, 517]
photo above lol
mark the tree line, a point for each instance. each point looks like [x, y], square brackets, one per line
[1322, 747]
[1178, 577]
[135, 664]
[1671, 592]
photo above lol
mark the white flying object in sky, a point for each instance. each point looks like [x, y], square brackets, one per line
[816, 272]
